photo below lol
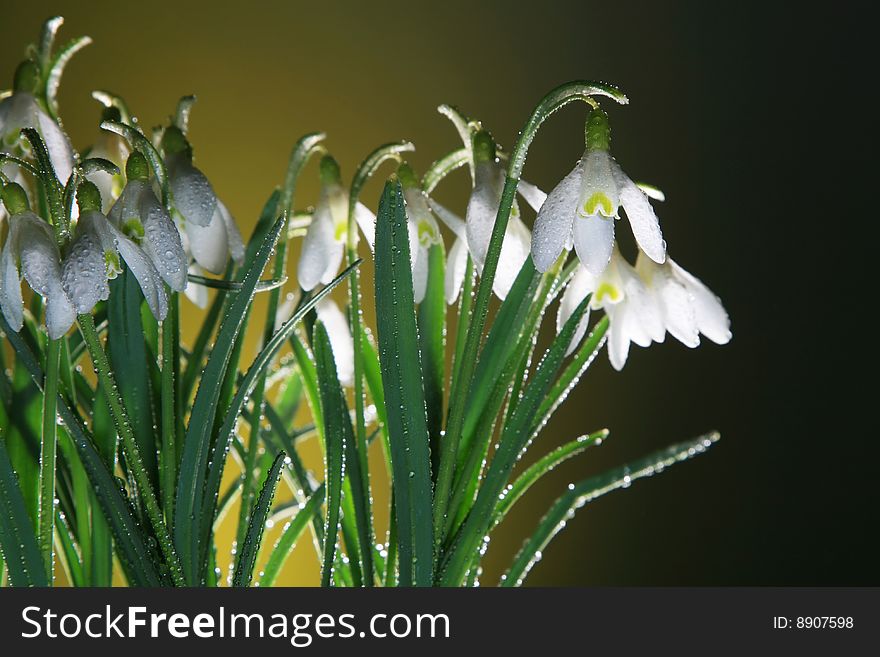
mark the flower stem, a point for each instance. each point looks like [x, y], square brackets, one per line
[48, 447]
[129, 445]
[553, 101]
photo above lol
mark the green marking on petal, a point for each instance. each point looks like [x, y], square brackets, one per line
[609, 292]
[111, 261]
[427, 234]
[599, 203]
[134, 229]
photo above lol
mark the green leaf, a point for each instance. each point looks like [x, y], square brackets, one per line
[337, 433]
[197, 441]
[514, 439]
[544, 465]
[358, 534]
[20, 550]
[432, 344]
[588, 490]
[128, 356]
[244, 569]
[289, 536]
[223, 284]
[402, 383]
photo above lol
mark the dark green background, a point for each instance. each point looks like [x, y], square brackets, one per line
[746, 115]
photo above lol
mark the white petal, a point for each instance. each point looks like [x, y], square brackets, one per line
[712, 319]
[129, 205]
[366, 220]
[618, 342]
[58, 145]
[319, 249]
[456, 267]
[162, 242]
[420, 273]
[676, 303]
[642, 219]
[514, 252]
[593, 241]
[532, 194]
[553, 225]
[11, 302]
[41, 267]
[198, 294]
[580, 285]
[482, 210]
[209, 244]
[233, 235]
[452, 220]
[599, 189]
[193, 195]
[84, 271]
[643, 319]
[340, 339]
[145, 273]
[60, 314]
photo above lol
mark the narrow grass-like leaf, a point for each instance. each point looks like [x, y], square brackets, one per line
[128, 356]
[223, 284]
[432, 344]
[540, 468]
[197, 441]
[337, 432]
[70, 558]
[402, 383]
[290, 535]
[588, 490]
[24, 564]
[513, 440]
[244, 569]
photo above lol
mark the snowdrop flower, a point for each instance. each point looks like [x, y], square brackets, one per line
[94, 254]
[140, 216]
[583, 207]
[208, 230]
[688, 307]
[112, 147]
[423, 229]
[633, 310]
[341, 342]
[324, 243]
[22, 110]
[482, 211]
[30, 252]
